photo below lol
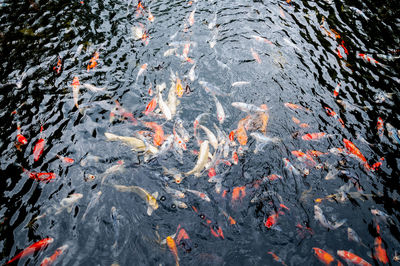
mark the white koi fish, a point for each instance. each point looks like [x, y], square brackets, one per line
[201, 160]
[319, 216]
[150, 199]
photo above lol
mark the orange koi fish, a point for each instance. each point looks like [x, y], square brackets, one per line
[379, 127]
[336, 90]
[172, 247]
[332, 113]
[151, 106]
[380, 253]
[20, 138]
[217, 232]
[211, 172]
[41, 244]
[305, 158]
[38, 149]
[295, 120]
[241, 135]
[93, 61]
[323, 256]
[42, 177]
[276, 258]
[355, 151]
[58, 67]
[255, 55]
[158, 138]
[178, 88]
[50, 260]
[351, 258]
[232, 136]
[295, 107]
[238, 193]
[314, 136]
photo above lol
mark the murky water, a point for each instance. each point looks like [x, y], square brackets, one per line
[337, 62]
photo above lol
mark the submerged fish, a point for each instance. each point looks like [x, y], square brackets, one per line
[201, 160]
[263, 140]
[150, 199]
[41, 244]
[135, 143]
[351, 258]
[319, 216]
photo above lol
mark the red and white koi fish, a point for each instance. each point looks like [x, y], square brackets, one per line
[66, 160]
[304, 157]
[20, 138]
[41, 244]
[58, 67]
[50, 260]
[42, 177]
[39, 147]
[191, 17]
[351, 258]
[151, 106]
[332, 113]
[336, 90]
[199, 194]
[75, 90]
[368, 58]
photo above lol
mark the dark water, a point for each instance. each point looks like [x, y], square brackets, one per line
[299, 64]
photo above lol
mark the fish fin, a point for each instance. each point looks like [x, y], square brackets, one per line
[149, 210]
[69, 209]
[155, 195]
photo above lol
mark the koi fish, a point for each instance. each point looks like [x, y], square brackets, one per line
[151, 106]
[304, 157]
[271, 220]
[58, 67]
[379, 127]
[263, 140]
[241, 135]
[191, 74]
[290, 166]
[42, 177]
[93, 88]
[238, 193]
[20, 138]
[170, 52]
[172, 101]
[174, 192]
[255, 55]
[336, 90]
[332, 113]
[319, 216]
[150, 16]
[50, 260]
[179, 88]
[202, 159]
[172, 247]
[293, 106]
[393, 134]
[41, 244]
[135, 143]
[174, 173]
[276, 258]
[150, 199]
[323, 256]
[124, 113]
[66, 160]
[93, 61]
[95, 199]
[179, 127]
[249, 108]
[351, 258]
[163, 106]
[261, 39]
[119, 167]
[158, 138]
[75, 90]
[115, 221]
[199, 194]
[141, 71]
[235, 158]
[380, 253]
[368, 58]
[356, 152]
[220, 111]
[353, 236]
[314, 136]
[191, 17]
[211, 137]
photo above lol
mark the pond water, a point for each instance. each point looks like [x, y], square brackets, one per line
[300, 98]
